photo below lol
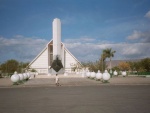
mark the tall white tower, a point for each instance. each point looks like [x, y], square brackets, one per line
[56, 38]
[57, 62]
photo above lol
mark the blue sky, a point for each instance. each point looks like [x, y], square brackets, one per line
[88, 27]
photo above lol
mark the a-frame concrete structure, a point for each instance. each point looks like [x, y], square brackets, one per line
[42, 62]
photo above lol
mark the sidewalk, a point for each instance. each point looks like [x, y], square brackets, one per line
[5, 82]
[75, 80]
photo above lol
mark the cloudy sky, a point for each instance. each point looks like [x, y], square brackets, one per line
[88, 27]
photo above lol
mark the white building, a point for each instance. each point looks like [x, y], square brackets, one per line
[42, 62]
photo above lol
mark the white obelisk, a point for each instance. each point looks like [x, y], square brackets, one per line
[56, 38]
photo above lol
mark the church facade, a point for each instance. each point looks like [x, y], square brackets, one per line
[42, 62]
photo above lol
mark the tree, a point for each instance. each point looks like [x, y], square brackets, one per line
[22, 67]
[10, 66]
[93, 66]
[145, 64]
[102, 61]
[124, 66]
[134, 66]
[109, 54]
[116, 68]
[33, 70]
[140, 66]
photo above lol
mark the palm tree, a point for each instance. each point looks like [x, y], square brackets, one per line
[102, 62]
[109, 54]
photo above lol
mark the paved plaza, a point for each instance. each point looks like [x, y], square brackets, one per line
[75, 80]
[76, 99]
[76, 95]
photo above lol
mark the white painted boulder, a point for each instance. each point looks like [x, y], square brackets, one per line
[98, 75]
[93, 75]
[36, 73]
[115, 73]
[25, 76]
[124, 73]
[77, 73]
[83, 73]
[88, 74]
[28, 75]
[106, 76]
[65, 74]
[21, 77]
[15, 77]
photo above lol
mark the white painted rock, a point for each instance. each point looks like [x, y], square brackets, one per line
[98, 75]
[77, 73]
[15, 78]
[21, 77]
[28, 75]
[25, 75]
[93, 75]
[115, 73]
[36, 73]
[83, 73]
[124, 73]
[106, 75]
[65, 74]
[88, 74]
[47, 75]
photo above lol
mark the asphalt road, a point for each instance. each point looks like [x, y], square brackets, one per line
[76, 99]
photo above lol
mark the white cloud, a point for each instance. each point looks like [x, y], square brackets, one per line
[92, 51]
[139, 36]
[20, 48]
[135, 35]
[147, 14]
[26, 48]
[83, 39]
